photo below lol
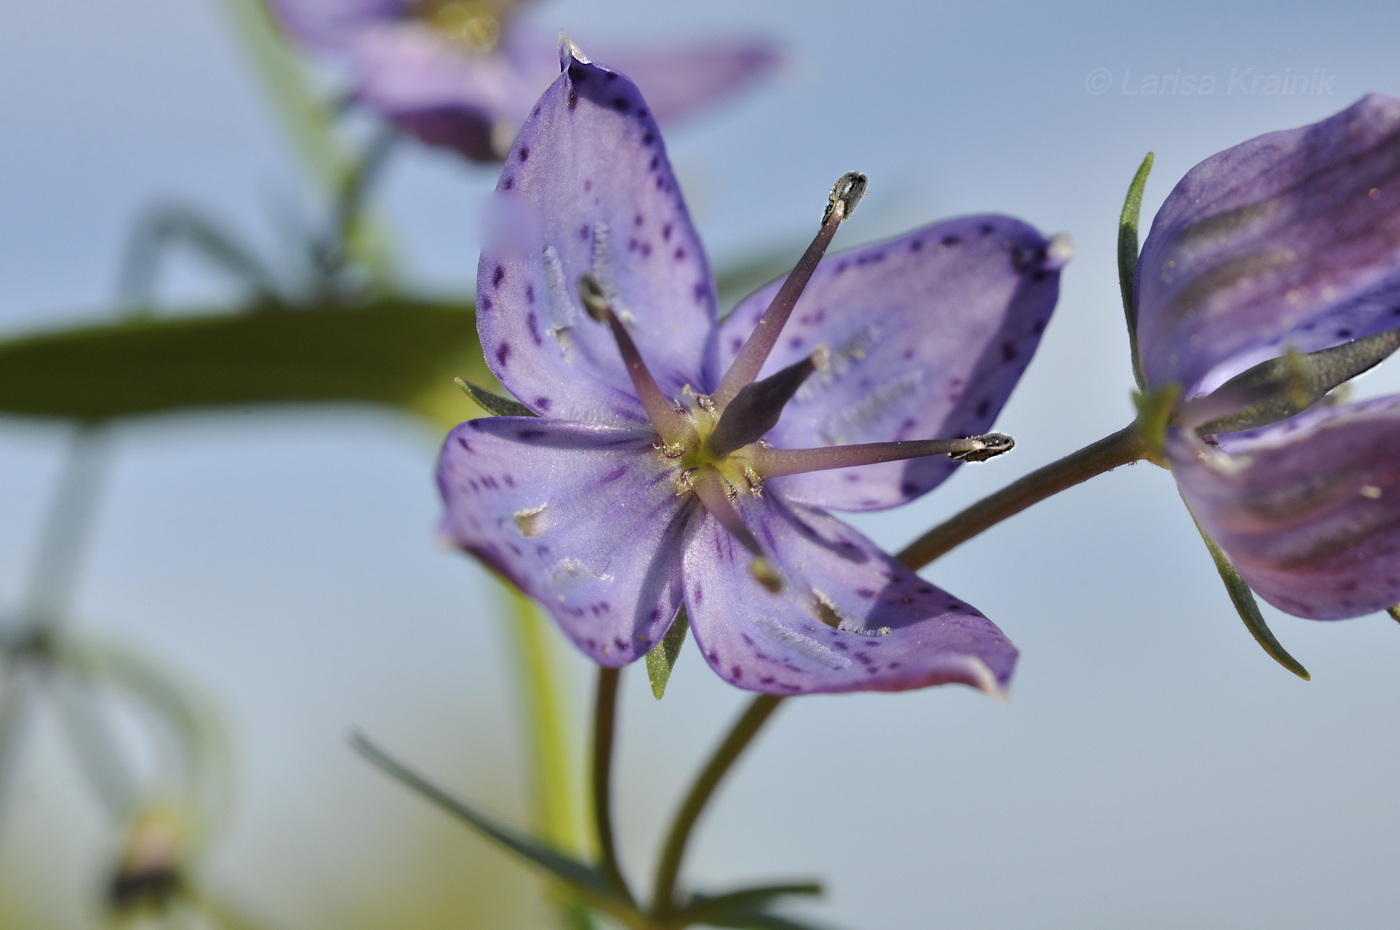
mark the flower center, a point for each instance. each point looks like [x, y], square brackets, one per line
[716, 440]
[473, 24]
[701, 458]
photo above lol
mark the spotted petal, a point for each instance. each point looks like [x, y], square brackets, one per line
[1291, 239]
[583, 518]
[1308, 511]
[927, 335]
[849, 617]
[587, 189]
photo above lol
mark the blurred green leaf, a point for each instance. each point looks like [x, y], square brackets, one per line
[399, 352]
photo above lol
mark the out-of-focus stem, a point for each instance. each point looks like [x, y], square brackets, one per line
[308, 124]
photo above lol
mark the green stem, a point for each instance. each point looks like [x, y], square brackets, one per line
[1120, 448]
[669, 867]
[604, 728]
[555, 815]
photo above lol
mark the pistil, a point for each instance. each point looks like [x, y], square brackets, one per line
[755, 351]
[756, 408]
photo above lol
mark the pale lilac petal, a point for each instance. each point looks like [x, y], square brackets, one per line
[583, 518]
[328, 24]
[896, 630]
[1291, 239]
[589, 182]
[438, 91]
[1309, 510]
[927, 334]
[682, 79]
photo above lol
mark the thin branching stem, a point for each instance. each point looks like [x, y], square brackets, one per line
[669, 867]
[1120, 448]
[604, 729]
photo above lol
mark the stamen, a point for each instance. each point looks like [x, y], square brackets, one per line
[844, 197]
[671, 425]
[1283, 387]
[710, 489]
[772, 463]
[756, 408]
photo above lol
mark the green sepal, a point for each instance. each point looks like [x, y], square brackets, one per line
[740, 907]
[1155, 410]
[397, 352]
[1394, 612]
[1248, 609]
[587, 881]
[662, 657]
[1128, 257]
[494, 404]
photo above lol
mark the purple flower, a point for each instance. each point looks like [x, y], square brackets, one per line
[1270, 276]
[676, 460]
[463, 74]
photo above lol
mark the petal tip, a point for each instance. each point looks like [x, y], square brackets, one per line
[1059, 252]
[985, 680]
[570, 53]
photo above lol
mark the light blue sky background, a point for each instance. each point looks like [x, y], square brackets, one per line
[1152, 769]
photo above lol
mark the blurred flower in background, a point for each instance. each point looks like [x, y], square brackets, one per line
[463, 74]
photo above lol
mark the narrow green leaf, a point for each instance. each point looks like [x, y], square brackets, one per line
[742, 902]
[1248, 609]
[494, 404]
[583, 878]
[398, 352]
[1128, 256]
[662, 657]
[758, 920]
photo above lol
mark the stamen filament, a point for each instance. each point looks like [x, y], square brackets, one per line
[772, 463]
[670, 424]
[844, 197]
[710, 489]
